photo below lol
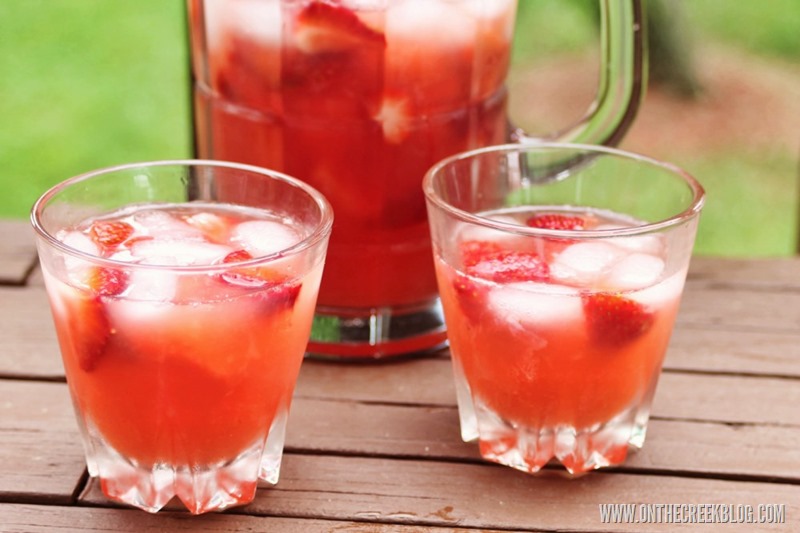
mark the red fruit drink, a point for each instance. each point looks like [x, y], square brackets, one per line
[557, 343]
[359, 102]
[177, 367]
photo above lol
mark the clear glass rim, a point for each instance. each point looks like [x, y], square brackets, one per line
[320, 232]
[692, 211]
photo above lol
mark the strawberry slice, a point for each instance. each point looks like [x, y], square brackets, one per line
[88, 330]
[216, 228]
[279, 297]
[615, 320]
[509, 266]
[556, 221]
[277, 294]
[107, 281]
[471, 297]
[110, 234]
[247, 276]
[237, 256]
[323, 27]
[473, 252]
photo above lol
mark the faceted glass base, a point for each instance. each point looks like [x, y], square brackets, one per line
[530, 448]
[201, 488]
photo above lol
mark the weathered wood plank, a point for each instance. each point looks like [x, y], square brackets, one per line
[430, 493]
[713, 449]
[17, 251]
[35, 278]
[341, 427]
[697, 348]
[426, 381]
[28, 344]
[719, 329]
[741, 309]
[41, 457]
[719, 450]
[42, 519]
[761, 273]
[28, 347]
[730, 399]
[376, 429]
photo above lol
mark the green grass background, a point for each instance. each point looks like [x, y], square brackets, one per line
[85, 84]
[90, 83]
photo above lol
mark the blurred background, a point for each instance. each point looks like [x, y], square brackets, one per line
[91, 83]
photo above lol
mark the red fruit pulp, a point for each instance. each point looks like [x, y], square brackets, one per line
[542, 349]
[359, 105]
[194, 376]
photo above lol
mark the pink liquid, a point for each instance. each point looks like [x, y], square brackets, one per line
[358, 103]
[176, 369]
[557, 344]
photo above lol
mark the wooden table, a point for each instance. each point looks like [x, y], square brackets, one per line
[375, 448]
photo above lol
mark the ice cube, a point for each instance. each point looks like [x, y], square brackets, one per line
[77, 269]
[159, 223]
[131, 313]
[584, 263]
[395, 119]
[172, 252]
[364, 5]
[124, 256]
[488, 9]
[662, 293]
[649, 244]
[80, 241]
[530, 304]
[418, 20]
[635, 271]
[264, 237]
[151, 285]
[472, 232]
[258, 20]
[58, 293]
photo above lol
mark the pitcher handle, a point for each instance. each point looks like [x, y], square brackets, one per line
[622, 79]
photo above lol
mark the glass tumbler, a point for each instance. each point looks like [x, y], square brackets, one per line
[561, 269]
[183, 313]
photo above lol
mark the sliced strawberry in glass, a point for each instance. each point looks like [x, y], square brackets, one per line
[278, 298]
[614, 319]
[274, 290]
[332, 64]
[473, 252]
[246, 276]
[110, 234]
[509, 266]
[471, 296]
[556, 221]
[88, 330]
[107, 281]
[215, 227]
[329, 28]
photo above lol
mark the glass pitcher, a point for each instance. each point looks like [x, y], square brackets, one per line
[359, 98]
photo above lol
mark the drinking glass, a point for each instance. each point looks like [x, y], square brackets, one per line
[183, 312]
[359, 98]
[561, 269]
